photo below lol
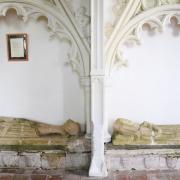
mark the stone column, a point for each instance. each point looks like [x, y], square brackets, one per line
[86, 84]
[98, 165]
[98, 125]
[107, 86]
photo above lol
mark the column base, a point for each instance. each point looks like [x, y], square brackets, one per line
[107, 138]
[88, 136]
[98, 170]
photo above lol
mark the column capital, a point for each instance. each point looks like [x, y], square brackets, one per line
[85, 81]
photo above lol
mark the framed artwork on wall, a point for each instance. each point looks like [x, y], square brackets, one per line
[17, 47]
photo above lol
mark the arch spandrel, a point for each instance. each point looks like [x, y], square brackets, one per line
[61, 24]
[156, 17]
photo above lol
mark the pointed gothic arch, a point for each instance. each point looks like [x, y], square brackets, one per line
[60, 24]
[63, 26]
[156, 18]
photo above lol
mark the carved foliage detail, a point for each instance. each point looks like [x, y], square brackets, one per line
[83, 20]
[120, 5]
[155, 23]
[57, 29]
[148, 4]
[117, 9]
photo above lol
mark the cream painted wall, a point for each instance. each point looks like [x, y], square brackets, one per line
[44, 88]
[148, 89]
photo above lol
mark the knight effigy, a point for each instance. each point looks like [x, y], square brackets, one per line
[127, 132]
[19, 131]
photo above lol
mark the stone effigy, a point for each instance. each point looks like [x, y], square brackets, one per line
[26, 144]
[18, 131]
[131, 133]
[68, 128]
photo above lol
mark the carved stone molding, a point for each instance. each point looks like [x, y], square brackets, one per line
[120, 5]
[117, 10]
[62, 25]
[85, 83]
[146, 4]
[59, 23]
[156, 18]
[80, 9]
[83, 20]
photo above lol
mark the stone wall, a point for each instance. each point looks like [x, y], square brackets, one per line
[138, 158]
[44, 160]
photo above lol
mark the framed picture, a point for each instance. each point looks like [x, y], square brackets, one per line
[17, 46]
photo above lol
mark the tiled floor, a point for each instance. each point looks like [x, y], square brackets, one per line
[82, 175]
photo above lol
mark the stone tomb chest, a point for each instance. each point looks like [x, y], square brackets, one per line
[29, 144]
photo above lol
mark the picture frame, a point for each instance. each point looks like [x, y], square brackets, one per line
[17, 47]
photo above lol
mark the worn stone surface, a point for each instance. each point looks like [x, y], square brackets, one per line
[53, 160]
[78, 160]
[143, 159]
[129, 132]
[70, 127]
[38, 177]
[56, 159]
[30, 160]
[79, 145]
[6, 177]
[83, 175]
[23, 134]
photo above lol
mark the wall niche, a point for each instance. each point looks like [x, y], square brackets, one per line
[43, 88]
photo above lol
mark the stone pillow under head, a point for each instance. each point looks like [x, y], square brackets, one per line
[70, 127]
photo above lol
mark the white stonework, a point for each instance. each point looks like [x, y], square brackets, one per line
[71, 26]
[44, 160]
[98, 126]
[86, 85]
[129, 27]
[62, 25]
[143, 159]
[130, 16]
[70, 21]
[81, 10]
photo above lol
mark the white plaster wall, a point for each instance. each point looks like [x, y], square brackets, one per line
[149, 88]
[44, 88]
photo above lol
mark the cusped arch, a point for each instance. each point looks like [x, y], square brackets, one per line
[60, 25]
[156, 18]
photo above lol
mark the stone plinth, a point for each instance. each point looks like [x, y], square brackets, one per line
[143, 157]
[29, 145]
[75, 156]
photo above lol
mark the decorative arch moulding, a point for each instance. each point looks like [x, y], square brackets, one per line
[61, 24]
[156, 16]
